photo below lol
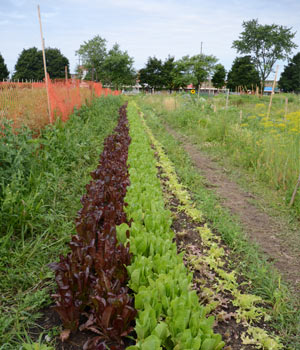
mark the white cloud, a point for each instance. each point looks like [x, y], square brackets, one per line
[142, 27]
[12, 15]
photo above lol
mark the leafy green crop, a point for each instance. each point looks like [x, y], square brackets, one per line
[169, 313]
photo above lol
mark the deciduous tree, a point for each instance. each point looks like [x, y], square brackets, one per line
[202, 66]
[290, 77]
[243, 73]
[219, 76]
[56, 63]
[151, 75]
[193, 70]
[168, 73]
[4, 73]
[266, 44]
[118, 68]
[30, 66]
[182, 73]
[93, 53]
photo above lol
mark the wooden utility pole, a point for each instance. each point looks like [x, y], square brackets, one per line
[45, 67]
[286, 108]
[66, 73]
[273, 89]
[295, 192]
[227, 96]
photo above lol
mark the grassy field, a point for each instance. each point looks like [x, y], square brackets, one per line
[266, 147]
[42, 180]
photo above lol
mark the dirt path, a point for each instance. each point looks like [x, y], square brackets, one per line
[265, 230]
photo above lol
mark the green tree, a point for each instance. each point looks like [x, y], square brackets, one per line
[202, 66]
[243, 73]
[219, 76]
[56, 63]
[29, 65]
[168, 73]
[182, 73]
[151, 75]
[93, 54]
[193, 70]
[266, 44]
[118, 68]
[290, 77]
[4, 73]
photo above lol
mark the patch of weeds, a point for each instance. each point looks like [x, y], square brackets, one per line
[265, 282]
[41, 186]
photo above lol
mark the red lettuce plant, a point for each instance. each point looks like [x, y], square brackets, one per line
[92, 278]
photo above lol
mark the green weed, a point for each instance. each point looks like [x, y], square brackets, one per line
[267, 147]
[265, 282]
[41, 185]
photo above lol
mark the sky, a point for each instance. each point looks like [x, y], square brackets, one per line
[141, 27]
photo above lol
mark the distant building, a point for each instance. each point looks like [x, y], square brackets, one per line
[206, 88]
[270, 83]
[268, 90]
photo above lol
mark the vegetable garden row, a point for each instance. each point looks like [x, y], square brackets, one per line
[124, 276]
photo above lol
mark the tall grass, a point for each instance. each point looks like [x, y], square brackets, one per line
[247, 257]
[270, 148]
[42, 180]
[26, 103]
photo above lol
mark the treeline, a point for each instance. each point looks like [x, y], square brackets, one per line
[112, 67]
[259, 48]
[30, 66]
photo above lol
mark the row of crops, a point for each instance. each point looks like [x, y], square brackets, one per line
[219, 285]
[123, 279]
[169, 312]
[42, 178]
[92, 279]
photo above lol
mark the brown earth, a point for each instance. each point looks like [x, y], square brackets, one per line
[189, 242]
[50, 319]
[270, 234]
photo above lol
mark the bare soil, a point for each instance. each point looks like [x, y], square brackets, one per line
[76, 341]
[259, 227]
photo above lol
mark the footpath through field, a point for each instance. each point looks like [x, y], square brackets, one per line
[261, 228]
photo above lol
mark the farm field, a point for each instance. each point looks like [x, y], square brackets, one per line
[26, 103]
[207, 168]
[42, 180]
[171, 269]
[267, 147]
[253, 164]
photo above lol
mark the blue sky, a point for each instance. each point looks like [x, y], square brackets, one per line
[143, 28]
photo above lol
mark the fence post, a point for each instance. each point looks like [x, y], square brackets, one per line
[271, 97]
[45, 67]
